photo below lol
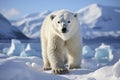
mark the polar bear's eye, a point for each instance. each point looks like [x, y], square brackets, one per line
[68, 21]
[58, 21]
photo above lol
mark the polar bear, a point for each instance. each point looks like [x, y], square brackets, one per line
[61, 41]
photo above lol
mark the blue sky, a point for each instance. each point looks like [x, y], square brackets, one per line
[13, 9]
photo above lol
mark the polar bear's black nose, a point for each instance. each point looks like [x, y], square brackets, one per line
[64, 30]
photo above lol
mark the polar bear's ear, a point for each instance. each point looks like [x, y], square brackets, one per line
[52, 17]
[76, 15]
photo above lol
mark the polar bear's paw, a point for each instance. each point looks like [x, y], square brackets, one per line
[60, 71]
[47, 68]
[74, 66]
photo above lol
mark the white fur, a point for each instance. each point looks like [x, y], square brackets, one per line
[54, 42]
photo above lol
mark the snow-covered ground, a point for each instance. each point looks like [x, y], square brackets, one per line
[26, 64]
[30, 68]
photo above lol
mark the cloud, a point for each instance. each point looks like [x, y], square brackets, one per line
[10, 13]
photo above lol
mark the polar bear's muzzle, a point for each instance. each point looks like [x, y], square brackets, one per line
[64, 30]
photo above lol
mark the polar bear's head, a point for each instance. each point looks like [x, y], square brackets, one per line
[64, 23]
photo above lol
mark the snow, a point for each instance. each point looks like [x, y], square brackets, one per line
[98, 21]
[87, 16]
[104, 73]
[116, 69]
[15, 68]
[29, 66]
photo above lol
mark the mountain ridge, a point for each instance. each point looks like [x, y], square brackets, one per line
[8, 32]
[96, 21]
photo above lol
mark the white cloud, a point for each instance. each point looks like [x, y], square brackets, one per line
[10, 13]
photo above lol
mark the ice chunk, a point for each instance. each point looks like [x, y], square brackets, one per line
[16, 48]
[28, 47]
[5, 50]
[88, 52]
[103, 53]
[116, 69]
[29, 52]
[33, 65]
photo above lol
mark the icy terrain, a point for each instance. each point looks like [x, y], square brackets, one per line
[26, 64]
[30, 68]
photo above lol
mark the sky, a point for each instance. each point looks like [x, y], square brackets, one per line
[15, 9]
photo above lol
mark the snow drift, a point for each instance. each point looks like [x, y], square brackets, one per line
[30, 68]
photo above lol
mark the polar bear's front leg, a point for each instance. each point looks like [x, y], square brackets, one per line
[74, 47]
[55, 47]
[44, 54]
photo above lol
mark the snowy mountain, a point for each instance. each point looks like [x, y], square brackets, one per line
[30, 24]
[7, 31]
[100, 21]
[97, 21]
